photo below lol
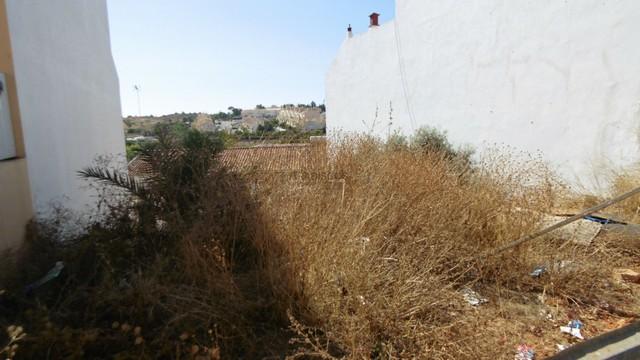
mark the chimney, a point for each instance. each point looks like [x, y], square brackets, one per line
[374, 19]
[349, 31]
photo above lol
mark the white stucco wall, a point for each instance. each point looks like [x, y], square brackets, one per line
[68, 95]
[561, 77]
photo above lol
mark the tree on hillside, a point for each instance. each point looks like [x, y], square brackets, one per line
[313, 104]
[221, 116]
[235, 111]
[260, 107]
[178, 129]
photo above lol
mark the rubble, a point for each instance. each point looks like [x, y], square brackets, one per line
[472, 297]
[52, 274]
[538, 271]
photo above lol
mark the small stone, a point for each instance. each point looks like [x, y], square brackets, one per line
[627, 275]
[195, 349]
[139, 340]
[184, 336]
[630, 276]
[137, 330]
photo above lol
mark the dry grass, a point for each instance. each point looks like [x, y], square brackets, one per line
[381, 270]
[371, 270]
[624, 182]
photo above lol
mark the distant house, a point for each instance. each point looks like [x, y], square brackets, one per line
[204, 123]
[230, 126]
[303, 118]
[59, 107]
[253, 118]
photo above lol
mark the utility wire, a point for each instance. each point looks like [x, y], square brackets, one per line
[556, 226]
[403, 74]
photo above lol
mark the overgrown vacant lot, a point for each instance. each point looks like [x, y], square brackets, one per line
[365, 253]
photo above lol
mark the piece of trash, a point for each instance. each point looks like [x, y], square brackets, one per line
[525, 352]
[581, 232]
[573, 328]
[562, 266]
[561, 347]
[538, 271]
[603, 221]
[556, 266]
[472, 297]
[52, 274]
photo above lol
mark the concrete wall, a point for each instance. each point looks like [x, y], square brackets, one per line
[556, 76]
[15, 197]
[15, 203]
[68, 95]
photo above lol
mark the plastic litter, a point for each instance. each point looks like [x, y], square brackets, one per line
[603, 221]
[525, 352]
[472, 297]
[557, 266]
[573, 328]
[562, 347]
[52, 274]
[538, 271]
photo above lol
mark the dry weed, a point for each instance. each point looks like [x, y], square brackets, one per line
[380, 269]
[362, 255]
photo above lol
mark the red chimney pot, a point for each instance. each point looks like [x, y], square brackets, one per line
[374, 19]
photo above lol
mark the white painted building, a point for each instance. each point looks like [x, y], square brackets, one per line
[561, 77]
[64, 106]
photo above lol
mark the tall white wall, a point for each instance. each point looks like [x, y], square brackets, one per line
[68, 95]
[561, 77]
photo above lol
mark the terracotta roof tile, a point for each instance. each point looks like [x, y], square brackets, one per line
[263, 158]
[289, 157]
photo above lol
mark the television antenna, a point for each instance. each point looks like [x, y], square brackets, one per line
[136, 88]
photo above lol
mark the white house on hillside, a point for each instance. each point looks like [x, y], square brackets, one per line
[556, 76]
[60, 106]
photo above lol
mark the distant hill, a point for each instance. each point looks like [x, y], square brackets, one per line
[302, 117]
[144, 125]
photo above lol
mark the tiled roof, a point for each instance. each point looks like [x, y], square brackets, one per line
[276, 158]
[280, 158]
[139, 168]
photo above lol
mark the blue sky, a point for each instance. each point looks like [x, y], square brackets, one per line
[206, 55]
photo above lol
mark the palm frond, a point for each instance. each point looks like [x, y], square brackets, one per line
[114, 178]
